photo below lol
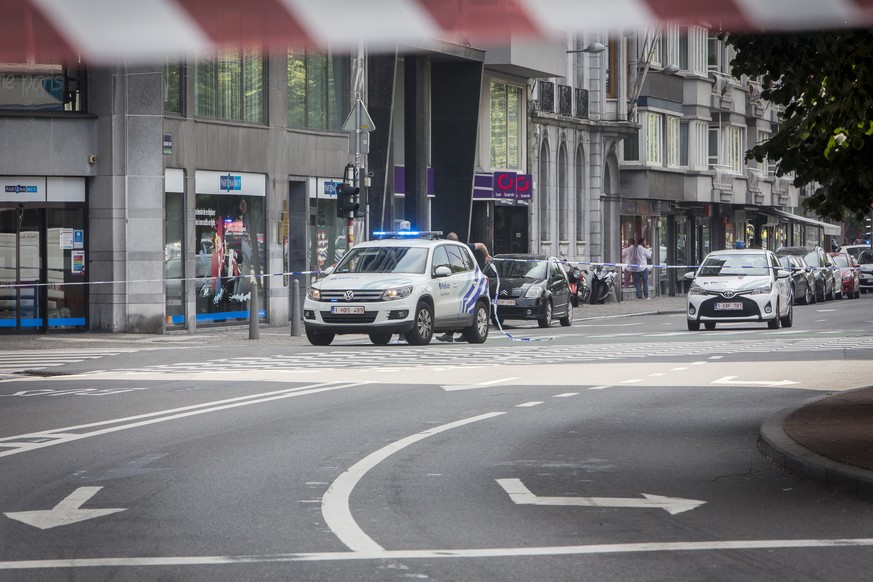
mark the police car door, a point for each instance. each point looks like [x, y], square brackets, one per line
[444, 292]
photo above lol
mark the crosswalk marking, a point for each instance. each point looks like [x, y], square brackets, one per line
[450, 358]
[12, 362]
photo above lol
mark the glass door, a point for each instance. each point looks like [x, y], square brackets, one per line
[8, 268]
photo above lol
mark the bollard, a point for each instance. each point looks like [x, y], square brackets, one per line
[295, 307]
[254, 329]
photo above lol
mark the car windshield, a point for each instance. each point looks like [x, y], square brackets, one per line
[866, 257]
[813, 259]
[842, 260]
[383, 260]
[529, 269]
[733, 265]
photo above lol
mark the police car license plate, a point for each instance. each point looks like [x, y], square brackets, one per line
[506, 302]
[728, 306]
[347, 309]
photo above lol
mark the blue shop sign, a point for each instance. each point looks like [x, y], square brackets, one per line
[230, 183]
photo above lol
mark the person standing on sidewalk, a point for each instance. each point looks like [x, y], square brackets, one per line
[474, 246]
[638, 255]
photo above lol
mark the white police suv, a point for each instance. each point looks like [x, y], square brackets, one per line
[740, 285]
[408, 283]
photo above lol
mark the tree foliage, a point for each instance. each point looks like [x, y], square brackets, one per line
[824, 80]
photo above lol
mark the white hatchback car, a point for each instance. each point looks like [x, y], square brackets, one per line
[411, 286]
[740, 285]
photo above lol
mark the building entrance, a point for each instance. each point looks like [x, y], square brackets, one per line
[42, 268]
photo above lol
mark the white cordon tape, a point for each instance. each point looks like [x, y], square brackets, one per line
[497, 319]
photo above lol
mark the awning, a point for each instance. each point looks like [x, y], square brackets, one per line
[831, 229]
[112, 31]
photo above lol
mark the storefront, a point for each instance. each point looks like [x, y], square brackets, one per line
[43, 254]
[642, 219]
[500, 217]
[328, 233]
[229, 226]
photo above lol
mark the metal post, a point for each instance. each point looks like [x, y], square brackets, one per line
[254, 329]
[295, 307]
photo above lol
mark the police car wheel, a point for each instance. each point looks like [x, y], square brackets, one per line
[478, 332]
[422, 329]
[319, 339]
[380, 339]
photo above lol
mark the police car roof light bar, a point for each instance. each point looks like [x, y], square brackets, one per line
[432, 234]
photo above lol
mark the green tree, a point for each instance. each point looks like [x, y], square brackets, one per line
[824, 80]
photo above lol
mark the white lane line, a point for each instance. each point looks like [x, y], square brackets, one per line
[528, 404]
[678, 369]
[489, 382]
[697, 363]
[38, 440]
[600, 387]
[715, 357]
[656, 374]
[594, 549]
[566, 395]
[335, 502]
[631, 381]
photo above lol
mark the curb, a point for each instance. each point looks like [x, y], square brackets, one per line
[788, 454]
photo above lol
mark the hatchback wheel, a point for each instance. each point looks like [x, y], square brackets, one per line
[774, 323]
[567, 320]
[693, 325]
[788, 320]
[710, 325]
[546, 319]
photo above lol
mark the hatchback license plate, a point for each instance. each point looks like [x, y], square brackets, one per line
[506, 302]
[347, 309]
[733, 306]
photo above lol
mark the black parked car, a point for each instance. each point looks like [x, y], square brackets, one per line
[816, 258]
[530, 287]
[802, 279]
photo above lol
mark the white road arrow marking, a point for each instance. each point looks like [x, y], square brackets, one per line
[478, 385]
[64, 513]
[521, 495]
[730, 380]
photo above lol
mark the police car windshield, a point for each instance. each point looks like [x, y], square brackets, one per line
[521, 268]
[383, 260]
[734, 265]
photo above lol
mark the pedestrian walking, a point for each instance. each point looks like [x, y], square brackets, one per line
[638, 254]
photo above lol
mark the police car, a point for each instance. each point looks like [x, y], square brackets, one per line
[410, 283]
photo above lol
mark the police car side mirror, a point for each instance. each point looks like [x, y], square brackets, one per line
[328, 270]
[689, 275]
[782, 274]
[442, 271]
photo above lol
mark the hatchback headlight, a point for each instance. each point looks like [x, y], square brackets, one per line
[696, 290]
[397, 293]
[764, 290]
[314, 293]
[534, 291]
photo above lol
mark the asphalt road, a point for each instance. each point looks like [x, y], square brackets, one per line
[615, 449]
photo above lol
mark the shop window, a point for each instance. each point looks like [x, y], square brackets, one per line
[226, 229]
[318, 89]
[174, 258]
[42, 87]
[507, 125]
[230, 86]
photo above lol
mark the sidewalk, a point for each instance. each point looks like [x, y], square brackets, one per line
[829, 439]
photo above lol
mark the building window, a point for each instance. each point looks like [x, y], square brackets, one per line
[580, 194]
[318, 89]
[563, 210]
[683, 143]
[713, 147]
[507, 125]
[543, 191]
[42, 87]
[654, 139]
[767, 168]
[173, 101]
[674, 141]
[683, 49]
[733, 142]
[613, 66]
[697, 49]
[631, 148]
[231, 86]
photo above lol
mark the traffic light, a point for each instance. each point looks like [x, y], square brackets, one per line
[347, 200]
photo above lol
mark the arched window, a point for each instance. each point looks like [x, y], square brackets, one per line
[543, 190]
[579, 194]
[563, 207]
